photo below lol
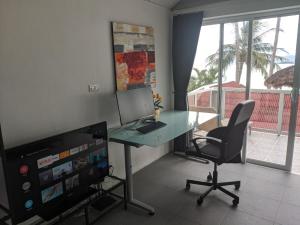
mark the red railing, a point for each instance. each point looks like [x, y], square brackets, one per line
[272, 107]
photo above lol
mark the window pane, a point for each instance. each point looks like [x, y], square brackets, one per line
[204, 78]
[273, 58]
[234, 67]
[203, 86]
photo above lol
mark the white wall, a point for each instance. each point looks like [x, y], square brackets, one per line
[50, 50]
[229, 7]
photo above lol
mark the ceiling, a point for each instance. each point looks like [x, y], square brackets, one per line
[191, 3]
[180, 4]
[165, 3]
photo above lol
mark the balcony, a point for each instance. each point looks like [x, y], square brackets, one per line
[269, 122]
[270, 147]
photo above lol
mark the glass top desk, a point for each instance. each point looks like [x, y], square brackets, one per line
[178, 123]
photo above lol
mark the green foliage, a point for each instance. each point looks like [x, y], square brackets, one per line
[203, 77]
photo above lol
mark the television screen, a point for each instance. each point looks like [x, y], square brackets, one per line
[56, 172]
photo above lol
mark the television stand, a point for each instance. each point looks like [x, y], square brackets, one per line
[103, 203]
[101, 197]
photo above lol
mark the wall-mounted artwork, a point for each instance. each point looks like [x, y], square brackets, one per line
[134, 56]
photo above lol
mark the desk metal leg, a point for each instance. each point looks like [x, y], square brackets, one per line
[129, 183]
[86, 216]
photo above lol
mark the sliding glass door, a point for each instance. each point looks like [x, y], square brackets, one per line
[258, 62]
[272, 80]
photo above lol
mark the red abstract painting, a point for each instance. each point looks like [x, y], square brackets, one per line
[134, 56]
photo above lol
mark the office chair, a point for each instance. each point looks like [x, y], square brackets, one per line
[223, 145]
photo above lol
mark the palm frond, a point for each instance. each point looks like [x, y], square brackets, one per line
[263, 47]
[260, 61]
[261, 35]
[228, 57]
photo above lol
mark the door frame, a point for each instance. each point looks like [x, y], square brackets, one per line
[293, 115]
[294, 104]
[295, 91]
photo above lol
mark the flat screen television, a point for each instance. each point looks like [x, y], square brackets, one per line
[49, 176]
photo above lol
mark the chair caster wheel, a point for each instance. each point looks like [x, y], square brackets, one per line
[209, 177]
[200, 201]
[151, 213]
[237, 186]
[235, 202]
[187, 187]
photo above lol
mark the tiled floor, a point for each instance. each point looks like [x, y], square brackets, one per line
[267, 196]
[272, 148]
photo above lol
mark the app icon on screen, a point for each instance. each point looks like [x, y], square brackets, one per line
[46, 177]
[62, 170]
[52, 192]
[80, 162]
[72, 182]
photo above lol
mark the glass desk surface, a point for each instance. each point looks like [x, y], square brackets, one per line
[178, 123]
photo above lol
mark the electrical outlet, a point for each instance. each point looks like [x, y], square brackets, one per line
[93, 87]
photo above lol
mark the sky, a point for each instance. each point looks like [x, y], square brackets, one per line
[209, 44]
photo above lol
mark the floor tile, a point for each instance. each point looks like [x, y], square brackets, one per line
[293, 181]
[288, 214]
[256, 205]
[211, 212]
[177, 220]
[242, 218]
[292, 196]
[132, 216]
[264, 189]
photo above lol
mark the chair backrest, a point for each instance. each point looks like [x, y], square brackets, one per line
[236, 128]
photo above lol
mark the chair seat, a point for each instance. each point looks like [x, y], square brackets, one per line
[208, 151]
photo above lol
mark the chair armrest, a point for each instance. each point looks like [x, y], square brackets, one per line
[208, 138]
[212, 140]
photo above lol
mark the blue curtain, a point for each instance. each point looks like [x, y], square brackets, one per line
[186, 30]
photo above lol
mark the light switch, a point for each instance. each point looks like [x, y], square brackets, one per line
[93, 87]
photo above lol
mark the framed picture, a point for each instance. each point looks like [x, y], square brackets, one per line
[134, 56]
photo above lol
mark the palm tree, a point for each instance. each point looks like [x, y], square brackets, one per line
[203, 77]
[237, 52]
[275, 46]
